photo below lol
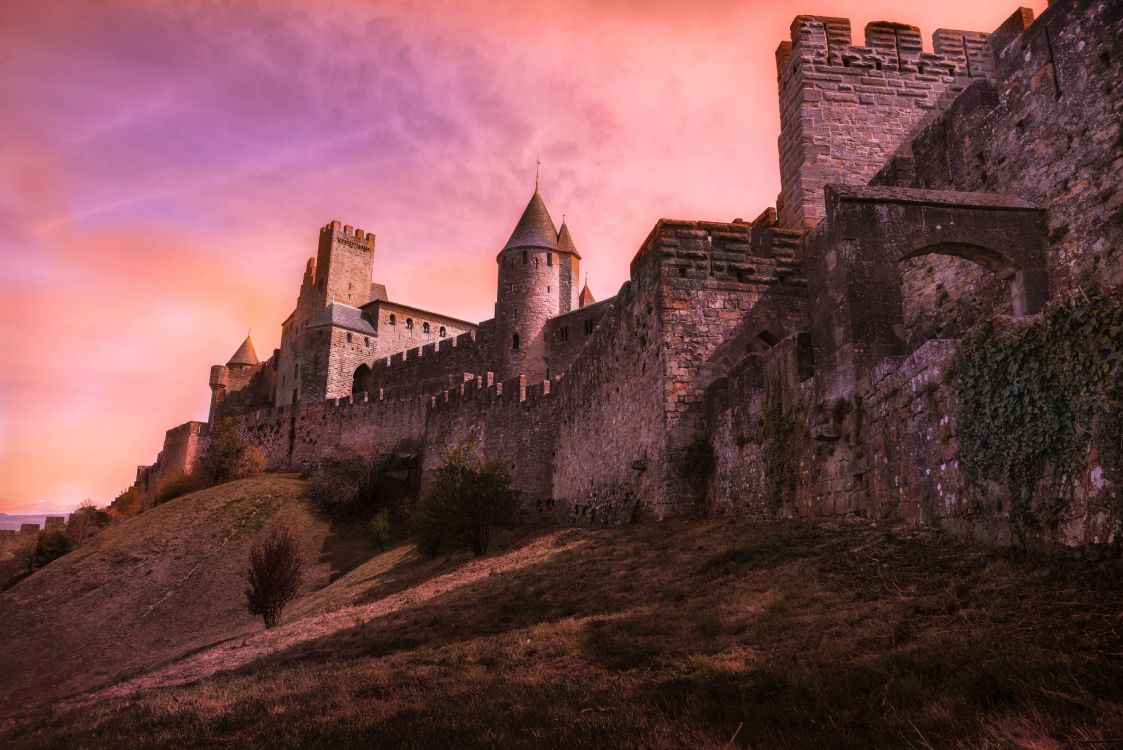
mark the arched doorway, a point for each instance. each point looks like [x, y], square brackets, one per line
[363, 380]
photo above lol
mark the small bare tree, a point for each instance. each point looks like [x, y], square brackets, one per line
[274, 574]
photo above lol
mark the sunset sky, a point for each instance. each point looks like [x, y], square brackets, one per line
[165, 168]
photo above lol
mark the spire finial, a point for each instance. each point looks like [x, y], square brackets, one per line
[537, 167]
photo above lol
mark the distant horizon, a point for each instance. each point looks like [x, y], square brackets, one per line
[169, 167]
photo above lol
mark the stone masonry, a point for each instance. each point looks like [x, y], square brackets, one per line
[921, 192]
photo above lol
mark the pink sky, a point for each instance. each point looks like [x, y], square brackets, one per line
[166, 166]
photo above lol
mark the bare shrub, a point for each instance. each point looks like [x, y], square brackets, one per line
[175, 486]
[380, 529]
[51, 544]
[86, 521]
[467, 499]
[342, 487]
[126, 505]
[228, 456]
[274, 575]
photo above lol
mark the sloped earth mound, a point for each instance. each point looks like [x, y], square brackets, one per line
[701, 634]
[152, 589]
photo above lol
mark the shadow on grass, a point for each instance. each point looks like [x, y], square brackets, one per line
[688, 634]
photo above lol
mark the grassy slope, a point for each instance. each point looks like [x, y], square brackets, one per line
[158, 586]
[679, 634]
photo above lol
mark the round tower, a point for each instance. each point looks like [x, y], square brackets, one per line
[536, 279]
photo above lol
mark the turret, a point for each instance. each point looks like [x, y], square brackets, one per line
[232, 376]
[568, 270]
[537, 275]
[245, 356]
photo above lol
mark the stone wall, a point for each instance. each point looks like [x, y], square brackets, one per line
[888, 452]
[513, 421]
[1048, 130]
[437, 366]
[392, 322]
[301, 435]
[176, 458]
[844, 109]
[720, 293]
[566, 335]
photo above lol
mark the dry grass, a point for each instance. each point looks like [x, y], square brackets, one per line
[149, 590]
[701, 634]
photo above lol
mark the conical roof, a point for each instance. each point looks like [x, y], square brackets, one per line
[245, 354]
[586, 297]
[565, 241]
[535, 228]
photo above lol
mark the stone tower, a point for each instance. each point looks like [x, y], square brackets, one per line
[537, 280]
[344, 262]
[845, 109]
[234, 375]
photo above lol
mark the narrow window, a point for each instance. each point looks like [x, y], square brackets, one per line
[549, 259]
[515, 341]
[366, 340]
[565, 333]
[524, 257]
[768, 337]
[425, 327]
[409, 324]
[588, 327]
[393, 319]
[348, 337]
[536, 262]
[443, 332]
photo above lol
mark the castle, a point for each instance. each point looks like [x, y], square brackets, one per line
[920, 193]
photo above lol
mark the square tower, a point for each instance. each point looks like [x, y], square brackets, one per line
[344, 263]
[845, 109]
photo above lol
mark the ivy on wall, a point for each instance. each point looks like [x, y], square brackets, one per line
[783, 430]
[1036, 395]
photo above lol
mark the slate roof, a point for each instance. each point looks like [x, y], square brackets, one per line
[565, 241]
[343, 316]
[586, 297]
[535, 228]
[245, 355]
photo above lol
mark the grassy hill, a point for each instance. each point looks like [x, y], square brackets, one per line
[151, 589]
[704, 634]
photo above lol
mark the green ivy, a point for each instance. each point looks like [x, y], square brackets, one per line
[1036, 396]
[783, 431]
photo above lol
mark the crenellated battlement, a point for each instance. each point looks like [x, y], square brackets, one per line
[890, 47]
[337, 229]
[426, 351]
[737, 251]
[484, 389]
[434, 366]
[846, 108]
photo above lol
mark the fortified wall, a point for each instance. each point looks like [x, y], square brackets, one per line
[802, 363]
[1001, 200]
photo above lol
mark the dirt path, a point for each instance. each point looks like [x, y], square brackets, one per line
[238, 652]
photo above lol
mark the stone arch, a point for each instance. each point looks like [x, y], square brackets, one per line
[363, 380]
[1020, 267]
[855, 255]
[947, 287]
